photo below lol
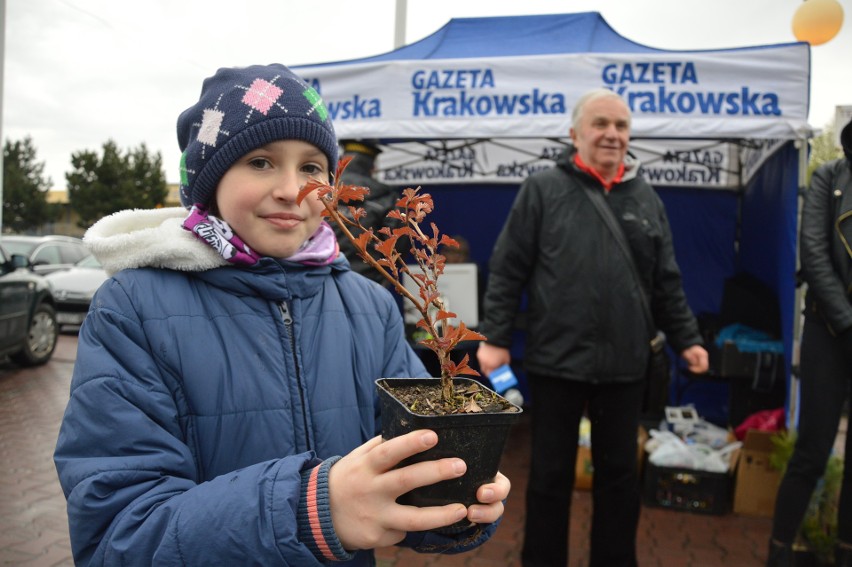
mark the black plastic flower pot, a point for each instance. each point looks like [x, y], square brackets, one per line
[476, 438]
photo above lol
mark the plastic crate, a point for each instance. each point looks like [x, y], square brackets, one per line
[688, 490]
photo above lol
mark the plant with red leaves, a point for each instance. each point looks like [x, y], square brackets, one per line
[410, 211]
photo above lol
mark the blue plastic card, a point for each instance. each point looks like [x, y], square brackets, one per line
[503, 378]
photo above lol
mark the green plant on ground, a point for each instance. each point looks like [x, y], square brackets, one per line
[818, 532]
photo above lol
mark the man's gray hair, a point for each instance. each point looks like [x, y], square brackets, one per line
[589, 96]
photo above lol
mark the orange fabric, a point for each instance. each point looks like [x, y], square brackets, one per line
[607, 185]
[313, 515]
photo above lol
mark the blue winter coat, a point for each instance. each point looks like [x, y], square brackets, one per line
[198, 398]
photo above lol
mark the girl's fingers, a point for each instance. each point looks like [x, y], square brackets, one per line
[496, 491]
[386, 455]
[401, 480]
[482, 514]
[414, 519]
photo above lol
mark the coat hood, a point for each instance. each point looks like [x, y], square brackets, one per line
[155, 238]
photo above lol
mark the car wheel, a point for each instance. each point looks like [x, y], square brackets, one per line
[41, 338]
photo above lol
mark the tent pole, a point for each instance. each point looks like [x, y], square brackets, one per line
[2, 59]
[399, 24]
[793, 386]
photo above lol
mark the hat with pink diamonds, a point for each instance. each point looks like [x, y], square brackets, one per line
[241, 109]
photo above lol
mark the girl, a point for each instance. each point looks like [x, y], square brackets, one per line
[230, 360]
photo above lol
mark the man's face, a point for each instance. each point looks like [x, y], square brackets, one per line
[602, 134]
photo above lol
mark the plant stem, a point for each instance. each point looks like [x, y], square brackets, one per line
[421, 306]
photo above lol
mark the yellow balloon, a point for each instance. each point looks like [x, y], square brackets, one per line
[817, 21]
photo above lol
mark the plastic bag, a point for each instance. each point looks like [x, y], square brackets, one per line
[668, 450]
[765, 420]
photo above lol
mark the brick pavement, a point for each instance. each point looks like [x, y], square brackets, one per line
[33, 523]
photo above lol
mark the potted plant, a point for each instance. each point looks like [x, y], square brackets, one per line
[817, 535]
[472, 421]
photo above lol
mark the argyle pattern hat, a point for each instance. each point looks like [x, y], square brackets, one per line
[241, 109]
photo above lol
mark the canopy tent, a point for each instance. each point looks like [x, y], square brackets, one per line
[471, 110]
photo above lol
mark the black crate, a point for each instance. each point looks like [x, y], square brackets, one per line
[688, 490]
[761, 369]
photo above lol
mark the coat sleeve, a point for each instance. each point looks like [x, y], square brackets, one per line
[824, 283]
[130, 478]
[511, 263]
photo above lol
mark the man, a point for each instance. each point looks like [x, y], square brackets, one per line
[381, 199]
[587, 342]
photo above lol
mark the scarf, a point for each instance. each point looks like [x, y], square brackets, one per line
[319, 250]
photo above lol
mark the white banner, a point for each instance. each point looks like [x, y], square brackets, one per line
[710, 164]
[742, 93]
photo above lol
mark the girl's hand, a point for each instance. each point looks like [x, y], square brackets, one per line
[363, 487]
[491, 497]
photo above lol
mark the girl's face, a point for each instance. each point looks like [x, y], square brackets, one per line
[257, 196]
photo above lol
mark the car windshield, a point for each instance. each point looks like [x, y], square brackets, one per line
[18, 246]
[89, 262]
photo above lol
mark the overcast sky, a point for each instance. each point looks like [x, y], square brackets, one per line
[80, 72]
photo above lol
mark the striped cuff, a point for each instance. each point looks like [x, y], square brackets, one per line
[314, 515]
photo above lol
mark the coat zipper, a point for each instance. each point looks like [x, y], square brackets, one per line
[288, 324]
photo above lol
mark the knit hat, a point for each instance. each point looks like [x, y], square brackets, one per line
[241, 109]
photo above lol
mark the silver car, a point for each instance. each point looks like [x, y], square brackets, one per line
[46, 254]
[73, 289]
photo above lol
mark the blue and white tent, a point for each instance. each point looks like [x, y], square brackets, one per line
[469, 111]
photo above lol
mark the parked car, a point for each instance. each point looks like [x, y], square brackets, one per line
[28, 329]
[73, 289]
[46, 253]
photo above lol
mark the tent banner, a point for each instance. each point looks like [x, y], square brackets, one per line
[709, 164]
[739, 93]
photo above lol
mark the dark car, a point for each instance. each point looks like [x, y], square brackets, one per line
[46, 253]
[28, 329]
[73, 289]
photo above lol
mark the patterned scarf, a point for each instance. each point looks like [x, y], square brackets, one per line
[319, 250]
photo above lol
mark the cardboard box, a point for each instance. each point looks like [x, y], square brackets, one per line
[583, 469]
[757, 482]
[688, 490]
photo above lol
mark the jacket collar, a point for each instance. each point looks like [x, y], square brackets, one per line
[843, 219]
[156, 239]
[631, 165]
[138, 238]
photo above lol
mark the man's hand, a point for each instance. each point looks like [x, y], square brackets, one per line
[491, 357]
[696, 359]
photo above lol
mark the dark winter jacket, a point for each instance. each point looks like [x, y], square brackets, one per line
[200, 396]
[585, 321]
[826, 244]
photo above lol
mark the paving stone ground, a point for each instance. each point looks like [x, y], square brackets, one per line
[33, 522]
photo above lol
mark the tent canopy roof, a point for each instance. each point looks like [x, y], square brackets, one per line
[519, 76]
[583, 32]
